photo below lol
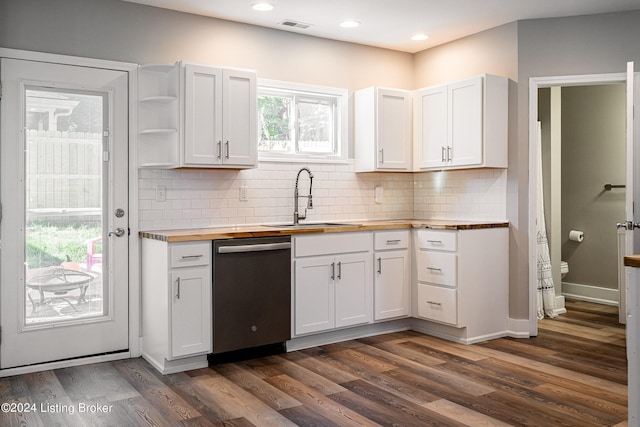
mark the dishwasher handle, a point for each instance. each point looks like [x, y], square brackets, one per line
[261, 247]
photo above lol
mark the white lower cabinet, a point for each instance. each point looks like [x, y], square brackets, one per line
[392, 274]
[462, 281]
[332, 281]
[176, 304]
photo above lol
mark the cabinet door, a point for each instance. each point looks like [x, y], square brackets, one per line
[314, 294]
[240, 139]
[394, 130]
[465, 122]
[391, 297]
[353, 297]
[191, 311]
[430, 127]
[202, 115]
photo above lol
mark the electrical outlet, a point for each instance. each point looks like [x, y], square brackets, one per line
[378, 194]
[243, 193]
[161, 193]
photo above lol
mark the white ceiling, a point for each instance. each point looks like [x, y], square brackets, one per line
[391, 23]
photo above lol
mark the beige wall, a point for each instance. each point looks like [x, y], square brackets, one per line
[493, 51]
[122, 31]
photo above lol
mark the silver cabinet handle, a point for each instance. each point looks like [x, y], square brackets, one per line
[443, 154]
[434, 241]
[434, 269]
[220, 149]
[434, 303]
[339, 270]
[333, 271]
[178, 291]
[393, 242]
[227, 149]
[382, 155]
[118, 232]
[191, 256]
[448, 153]
[379, 265]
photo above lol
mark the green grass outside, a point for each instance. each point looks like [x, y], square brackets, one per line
[49, 244]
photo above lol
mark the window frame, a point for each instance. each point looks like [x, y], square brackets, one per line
[341, 125]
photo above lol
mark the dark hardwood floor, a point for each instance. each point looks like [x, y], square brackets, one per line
[572, 374]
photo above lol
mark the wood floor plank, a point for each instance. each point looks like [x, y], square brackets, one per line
[233, 402]
[322, 404]
[463, 415]
[386, 408]
[262, 390]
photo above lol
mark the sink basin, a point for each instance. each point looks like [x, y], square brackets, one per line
[317, 224]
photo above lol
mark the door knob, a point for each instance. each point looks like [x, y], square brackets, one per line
[628, 225]
[119, 232]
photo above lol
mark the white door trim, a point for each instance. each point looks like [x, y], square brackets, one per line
[134, 246]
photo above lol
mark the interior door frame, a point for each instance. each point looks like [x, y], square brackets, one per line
[536, 83]
[134, 246]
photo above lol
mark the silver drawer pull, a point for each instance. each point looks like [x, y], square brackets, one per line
[393, 242]
[191, 256]
[434, 269]
[434, 303]
[178, 283]
[434, 241]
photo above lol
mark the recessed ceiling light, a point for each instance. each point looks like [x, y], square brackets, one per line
[262, 7]
[349, 24]
[419, 37]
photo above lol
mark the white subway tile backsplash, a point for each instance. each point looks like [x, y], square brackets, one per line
[209, 198]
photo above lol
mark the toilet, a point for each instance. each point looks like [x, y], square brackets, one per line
[564, 268]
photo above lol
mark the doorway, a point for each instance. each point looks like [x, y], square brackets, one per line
[64, 231]
[583, 172]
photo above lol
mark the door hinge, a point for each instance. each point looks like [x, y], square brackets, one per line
[105, 156]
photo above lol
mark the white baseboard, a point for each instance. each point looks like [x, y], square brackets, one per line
[518, 328]
[560, 306]
[595, 294]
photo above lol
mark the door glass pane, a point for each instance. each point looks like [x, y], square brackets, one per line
[64, 209]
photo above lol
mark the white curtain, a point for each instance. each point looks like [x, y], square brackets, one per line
[546, 291]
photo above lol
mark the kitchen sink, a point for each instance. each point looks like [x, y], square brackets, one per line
[316, 224]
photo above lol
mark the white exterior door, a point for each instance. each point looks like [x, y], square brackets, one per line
[64, 231]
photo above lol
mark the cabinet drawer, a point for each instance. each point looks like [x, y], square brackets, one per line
[439, 240]
[332, 243]
[190, 254]
[391, 240]
[437, 267]
[436, 303]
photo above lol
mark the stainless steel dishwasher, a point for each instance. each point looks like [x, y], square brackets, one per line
[251, 293]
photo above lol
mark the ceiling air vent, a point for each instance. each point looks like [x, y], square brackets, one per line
[294, 24]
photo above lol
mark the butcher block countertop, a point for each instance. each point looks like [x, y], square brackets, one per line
[241, 231]
[632, 261]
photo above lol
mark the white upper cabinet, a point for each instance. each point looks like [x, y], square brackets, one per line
[463, 124]
[382, 130]
[193, 115]
[220, 109]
